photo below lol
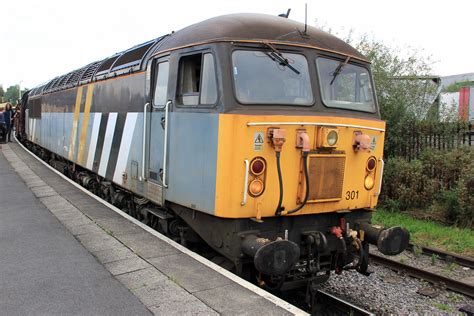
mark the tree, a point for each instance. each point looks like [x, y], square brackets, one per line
[11, 95]
[404, 96]
[399, 79]
[2, 93]
[402, 77]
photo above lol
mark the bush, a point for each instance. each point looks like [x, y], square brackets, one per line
[458, 203]
[437, 181]
[405, 186]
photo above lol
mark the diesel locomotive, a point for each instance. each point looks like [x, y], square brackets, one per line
[255, 134]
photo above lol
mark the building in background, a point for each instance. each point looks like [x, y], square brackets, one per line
[457, 96]
[466, 104]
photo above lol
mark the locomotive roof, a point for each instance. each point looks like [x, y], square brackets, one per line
[258, 27]
[233, 27]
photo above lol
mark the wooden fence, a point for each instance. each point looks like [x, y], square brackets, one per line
[417, 136]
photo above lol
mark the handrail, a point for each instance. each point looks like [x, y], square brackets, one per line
[381, 175]
[165, 150]
[316, 124]
[244, 201]
[143, 178]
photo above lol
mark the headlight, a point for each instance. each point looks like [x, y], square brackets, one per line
[332, 138]
[256, 187]
[369, 182]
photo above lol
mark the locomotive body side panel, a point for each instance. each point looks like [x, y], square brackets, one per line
[100, 128]
[193, 142]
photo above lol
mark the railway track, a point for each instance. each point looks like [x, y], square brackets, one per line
[325, 304]
[444, 255]
[434, 278]
[338, 306]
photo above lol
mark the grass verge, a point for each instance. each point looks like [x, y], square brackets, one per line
[428, 233]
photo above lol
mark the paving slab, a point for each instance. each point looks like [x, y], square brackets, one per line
[115, 254]
[167, 297]
[89, 228]
[99, 211]
[127, 265]
[147, 245]
[233, 299]
[117, 225]
[189, 273]
[78, 198]
[72, 223]
[98, 241]
[140, 278]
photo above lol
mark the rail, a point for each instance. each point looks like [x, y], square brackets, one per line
[437, 279]
[340, 306]
[444, 255]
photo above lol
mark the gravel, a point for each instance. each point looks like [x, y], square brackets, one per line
[388, 292]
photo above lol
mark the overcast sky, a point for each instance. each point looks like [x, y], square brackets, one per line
[42, 39]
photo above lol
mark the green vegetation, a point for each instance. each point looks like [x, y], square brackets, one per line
[401, 95]
[436, 184]
[429, 233]
[11, 94]
[417, 251]
[458, 85]
[443, 307]
[454, 297]
[451, 267]
[439, 185]
[433, 259]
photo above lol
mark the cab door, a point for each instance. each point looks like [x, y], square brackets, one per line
[156, 130]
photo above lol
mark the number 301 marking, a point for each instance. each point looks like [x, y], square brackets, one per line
[352, 195]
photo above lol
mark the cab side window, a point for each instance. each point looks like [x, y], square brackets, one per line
[161, 83]
[197, 80]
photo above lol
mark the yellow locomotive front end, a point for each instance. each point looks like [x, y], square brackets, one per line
[344, 163]
[300, 165]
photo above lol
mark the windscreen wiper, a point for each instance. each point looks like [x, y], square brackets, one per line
[277, 56]
[339, 69]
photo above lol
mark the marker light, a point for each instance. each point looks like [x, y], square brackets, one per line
[371, 163]
[256, 187]
[257, 166]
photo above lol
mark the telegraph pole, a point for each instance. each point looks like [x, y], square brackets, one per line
[19, 90]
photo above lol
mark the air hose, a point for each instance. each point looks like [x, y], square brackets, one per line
[278, 211]
[280, 182]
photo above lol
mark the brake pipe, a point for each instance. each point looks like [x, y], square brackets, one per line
[303, 140]
[306, 195]
[278, 139]
[280, 182]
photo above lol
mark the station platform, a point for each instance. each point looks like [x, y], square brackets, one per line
[64, 251]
